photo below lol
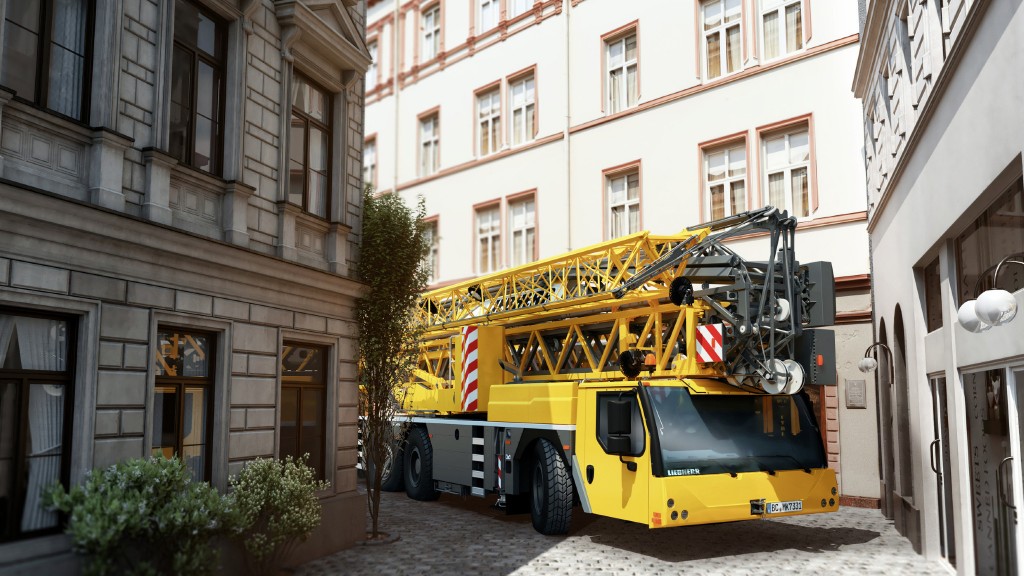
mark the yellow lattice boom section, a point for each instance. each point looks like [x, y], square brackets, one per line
[567, 283]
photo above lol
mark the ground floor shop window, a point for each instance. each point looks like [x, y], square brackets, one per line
[303, 403]
[35, 418]
[183, 398]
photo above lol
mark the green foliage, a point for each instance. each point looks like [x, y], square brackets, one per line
[273, 507]
[391, 263]
[143, 517]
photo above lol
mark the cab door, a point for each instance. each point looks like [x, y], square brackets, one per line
[616, 486]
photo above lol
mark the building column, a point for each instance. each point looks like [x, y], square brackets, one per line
[234, 210]
[106, 169]
[158, 186]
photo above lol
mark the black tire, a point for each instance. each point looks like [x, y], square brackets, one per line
[393, 479]
[551, 492]
[418, 465]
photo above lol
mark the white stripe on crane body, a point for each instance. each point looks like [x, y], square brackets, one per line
[709, 343]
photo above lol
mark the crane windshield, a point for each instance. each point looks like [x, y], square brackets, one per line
[701, 434]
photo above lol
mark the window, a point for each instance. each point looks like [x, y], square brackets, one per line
[489, 14]
[517, 7]
[722, 28]
[370, 162]
[36, 409]
[430, 26]
[996, 235]
[488, 109]
[488, 239]
[303, 403]
[522, 230]
[623, 203]
[430, 152]
[932, 296]
[782, 28]
[309, 156]
[787, 160]
[725, 181]
[522, 96]
[197, 88]
[433, 261]
[371, 72]
[183, 399]
[620, 59]
[46, 54]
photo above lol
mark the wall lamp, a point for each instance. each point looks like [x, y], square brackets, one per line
[870, 363]
[994, 307]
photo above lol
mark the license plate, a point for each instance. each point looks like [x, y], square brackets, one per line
[780, 507]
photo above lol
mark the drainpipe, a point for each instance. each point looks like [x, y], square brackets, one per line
[568, 123]
[397, 34]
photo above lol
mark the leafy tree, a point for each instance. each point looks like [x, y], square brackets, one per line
[391, 263]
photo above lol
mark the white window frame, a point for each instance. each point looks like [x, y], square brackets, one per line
[433, 259]
[517, 7]
[528, 103]
[488, 115]
[627, 204]
[371, 71]
[728, 181]
[618, 100]
[430, 144]
[519, 232]
[488, 240]
[430, 27]
[779, 7]
[789, 168]
[721, 32]
[488, 14]
[370, 162]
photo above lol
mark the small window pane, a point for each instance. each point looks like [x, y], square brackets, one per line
[714, 56]
[717, 202]
[712, 14]
[20, 59]
[716, 166]
[738, 197]
[800, 201]
[732, 47]
[737, 162]
[775, 152]
[182, 354]
[799, 148]
[165, 421]
[771, 35]
[24, 13]
[933, 296]
[312, 418]
[794, 28]
[206, 37]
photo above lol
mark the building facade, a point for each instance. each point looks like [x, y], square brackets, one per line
[535, 127]
[941, 88]
[180, 204]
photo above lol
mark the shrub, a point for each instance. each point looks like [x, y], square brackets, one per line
[274, 507]
[143, 517]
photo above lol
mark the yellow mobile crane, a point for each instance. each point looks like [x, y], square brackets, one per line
[655, 379]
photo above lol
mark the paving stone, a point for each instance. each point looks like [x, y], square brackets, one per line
[467, 536]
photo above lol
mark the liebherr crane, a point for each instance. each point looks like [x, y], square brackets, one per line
[656, 379]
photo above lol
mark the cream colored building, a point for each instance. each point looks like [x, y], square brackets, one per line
[534, 127]
[941, 86]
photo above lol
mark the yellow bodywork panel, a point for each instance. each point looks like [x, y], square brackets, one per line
[613, 490]
[551, 403]
[723, 498]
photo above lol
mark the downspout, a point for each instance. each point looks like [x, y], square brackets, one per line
[396, 33]
[568, 124]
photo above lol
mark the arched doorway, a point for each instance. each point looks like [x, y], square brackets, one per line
[907, 513]
[886, 449]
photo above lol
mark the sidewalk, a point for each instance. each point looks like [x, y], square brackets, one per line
[456, 536]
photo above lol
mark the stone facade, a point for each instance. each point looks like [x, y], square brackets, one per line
[103, 226]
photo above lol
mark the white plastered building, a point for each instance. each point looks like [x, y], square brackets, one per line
[535, 127]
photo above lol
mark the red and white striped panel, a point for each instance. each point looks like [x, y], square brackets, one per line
[709, 343]
[469, 372]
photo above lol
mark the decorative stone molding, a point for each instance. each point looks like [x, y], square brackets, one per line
[5, 97]
[106, 169]
[234, 208]
[336, 252]
[287, 215]
[158, 185]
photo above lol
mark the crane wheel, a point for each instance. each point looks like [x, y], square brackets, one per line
[419, 466]
[393, 478]
[551, 494]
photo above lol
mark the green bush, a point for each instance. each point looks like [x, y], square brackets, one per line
[273, 507]
[143, 517]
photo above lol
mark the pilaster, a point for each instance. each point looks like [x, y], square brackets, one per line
[158, 185]
[106, 169]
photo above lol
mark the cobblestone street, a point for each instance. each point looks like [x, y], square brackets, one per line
[456, 536]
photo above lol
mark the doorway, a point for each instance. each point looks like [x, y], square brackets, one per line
[940, 463]
[995, 401]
